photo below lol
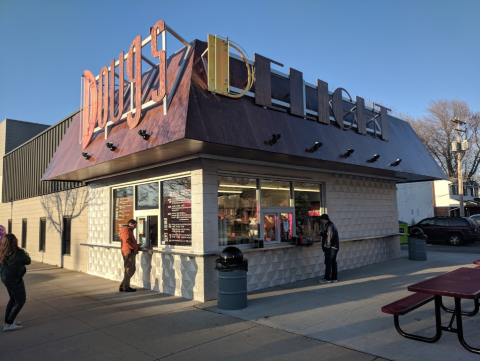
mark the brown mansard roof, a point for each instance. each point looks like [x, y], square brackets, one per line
[201, 122]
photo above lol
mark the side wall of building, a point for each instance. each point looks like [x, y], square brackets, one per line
[53, 207]
[415, 201]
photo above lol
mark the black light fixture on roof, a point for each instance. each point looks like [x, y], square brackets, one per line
[374, 158]
[314, 148]
[397, 162]
[348, 153]
[143, 134]
[111, 146]
[86, 156]
[275, 138]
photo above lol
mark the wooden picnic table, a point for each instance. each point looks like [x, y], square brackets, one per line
[460, 283]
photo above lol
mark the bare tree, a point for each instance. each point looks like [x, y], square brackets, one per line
[437, 132]
[65, 204]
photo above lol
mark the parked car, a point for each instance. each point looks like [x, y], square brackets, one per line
[476, 218]
[453, 230]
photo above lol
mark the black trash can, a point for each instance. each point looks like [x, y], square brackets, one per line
[417, 246]
[232, 279]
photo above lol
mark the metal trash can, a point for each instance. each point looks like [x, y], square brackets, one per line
[232, 279]
[417, 247]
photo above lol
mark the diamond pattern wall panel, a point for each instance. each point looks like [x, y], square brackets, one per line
[270, 268]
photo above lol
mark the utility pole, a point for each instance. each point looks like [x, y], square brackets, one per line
[460, 147]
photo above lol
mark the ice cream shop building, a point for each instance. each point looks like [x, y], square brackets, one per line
[208, 148]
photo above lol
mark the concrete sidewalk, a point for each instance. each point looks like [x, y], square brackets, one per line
[74, 316]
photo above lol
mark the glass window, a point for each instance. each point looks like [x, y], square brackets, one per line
[42, 235]
[24, 233]
[459, 222]
[122, 209]
[237, 210]
[177, 212]
[308, 209]
[442, 222]
[427, 222]
[275, 193]
[66, 236]
[146, 196]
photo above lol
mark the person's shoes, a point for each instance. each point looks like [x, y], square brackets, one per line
[18, 323]
[12, 327]
[334, 281]
[120, 289]
[324, 281]
[129, 289]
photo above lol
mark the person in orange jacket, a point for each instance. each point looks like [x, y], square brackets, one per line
[129, 252]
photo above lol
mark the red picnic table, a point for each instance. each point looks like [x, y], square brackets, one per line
[460, 283]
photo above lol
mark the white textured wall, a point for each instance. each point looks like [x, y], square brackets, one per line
[359, 206]
[414, 201]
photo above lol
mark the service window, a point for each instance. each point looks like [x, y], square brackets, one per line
[308, 209]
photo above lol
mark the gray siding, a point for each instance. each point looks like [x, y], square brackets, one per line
[24, 166]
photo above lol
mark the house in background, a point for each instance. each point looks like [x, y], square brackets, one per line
[416, 201]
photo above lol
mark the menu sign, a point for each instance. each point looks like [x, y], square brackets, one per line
[123, 209]
[177, 212]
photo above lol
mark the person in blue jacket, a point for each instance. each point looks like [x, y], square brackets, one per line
[12, 269]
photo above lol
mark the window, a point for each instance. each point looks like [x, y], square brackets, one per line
[459, 222]
[122, 209]
[427, 222]
[454, 189]
[146, 196]
[9, 227]
[24, 233]
[237, 210]
[66, 234]
[275, 193]
[443, 222]
[177, 211]
[42, 234]
[308, 209]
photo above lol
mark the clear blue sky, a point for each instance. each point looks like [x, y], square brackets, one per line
[403, 53]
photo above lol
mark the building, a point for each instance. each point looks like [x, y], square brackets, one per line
[200, 169]
[420, 200]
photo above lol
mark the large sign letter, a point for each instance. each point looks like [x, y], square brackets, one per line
[296, 93]
[89, 107]
[136, 81]
[103, 98]
[263, 82]
[121, 90]
[323, 102]
[160, 93]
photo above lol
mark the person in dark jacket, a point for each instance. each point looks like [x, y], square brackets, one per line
[330, 245]
[12, 269]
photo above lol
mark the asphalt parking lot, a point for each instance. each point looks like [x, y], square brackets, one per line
[443, 247]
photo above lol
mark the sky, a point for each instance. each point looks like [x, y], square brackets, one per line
[402, 54]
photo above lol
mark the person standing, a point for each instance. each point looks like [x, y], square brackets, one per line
[12, 269]
[330, 245]
[129, 253]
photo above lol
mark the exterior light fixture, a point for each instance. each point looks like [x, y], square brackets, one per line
[314, 148]
[275, 138]
[397, 162]
[349, 153]
[86, 156]
[374, 158]
[143, 134]
[111, 146]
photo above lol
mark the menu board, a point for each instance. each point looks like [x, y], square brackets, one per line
[177, 212]
[123, 208]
